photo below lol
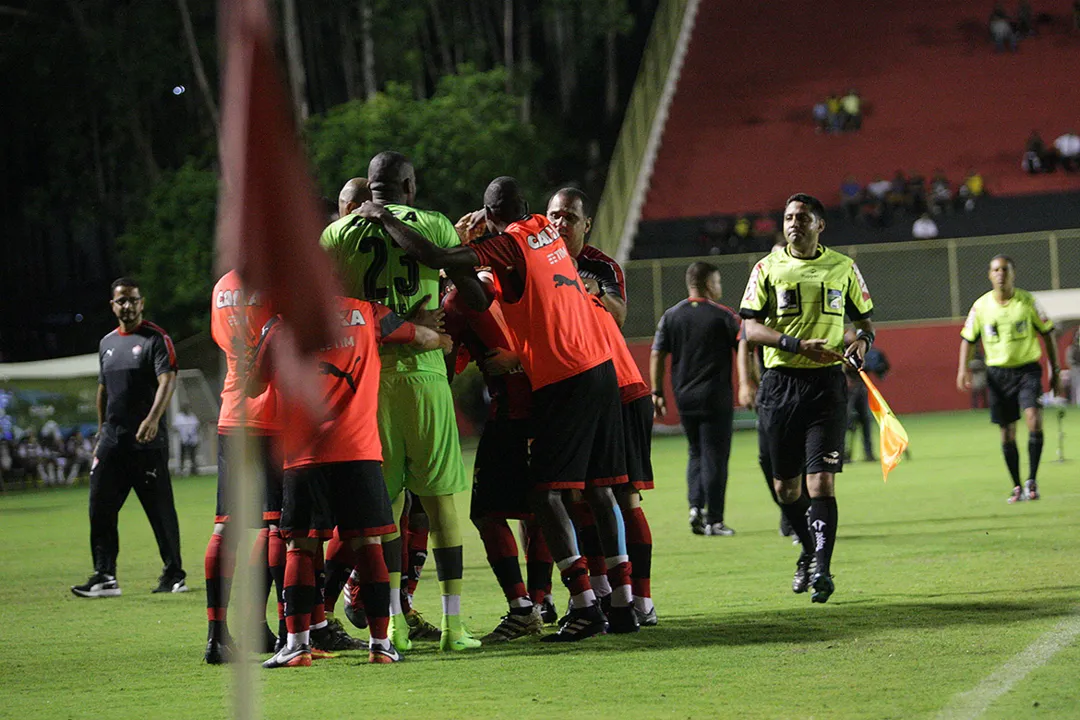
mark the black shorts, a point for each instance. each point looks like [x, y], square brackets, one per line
[637, 417]
[272, 474]
[501, 473]
[349, 496]
[578, 436]
[1013, 390]
[803, 414]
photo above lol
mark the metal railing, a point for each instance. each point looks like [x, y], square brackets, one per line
[909, 281]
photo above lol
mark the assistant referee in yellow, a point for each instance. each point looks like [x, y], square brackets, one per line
[794, 305]
[1009, 322]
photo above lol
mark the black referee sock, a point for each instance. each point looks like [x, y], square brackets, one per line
[823, 524]
[1035, 443]
[1012, 459]
[796, 516]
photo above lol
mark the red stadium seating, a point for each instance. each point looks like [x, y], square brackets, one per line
[740, 137]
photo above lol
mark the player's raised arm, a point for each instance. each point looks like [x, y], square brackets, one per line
[416, 245]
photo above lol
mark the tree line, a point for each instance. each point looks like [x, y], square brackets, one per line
[110, 133]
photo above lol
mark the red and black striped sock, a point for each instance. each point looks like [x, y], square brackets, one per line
[538, 562]
[374, 579]
[575, 576]
[218, 564]
[639, 548]
[299, 594]
[502, 556]
[275, 554]
[589, 543]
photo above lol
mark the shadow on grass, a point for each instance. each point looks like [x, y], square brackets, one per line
[808, 624]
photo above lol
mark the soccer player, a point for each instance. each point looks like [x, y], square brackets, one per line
[236, 320]
[333, 477]
[569, 211]
[794, 305]
[578, 442]
[137, 378]
[1009, 323]
[702, 336]
[501, 473]
[421, 449]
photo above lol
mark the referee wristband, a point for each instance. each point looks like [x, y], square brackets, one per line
[867, 336]
[789, 344]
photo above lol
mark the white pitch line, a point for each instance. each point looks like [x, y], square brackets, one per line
[973, 703]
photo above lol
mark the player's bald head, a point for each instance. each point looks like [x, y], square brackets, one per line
[391, 177]
[354, 191]
[505, 200]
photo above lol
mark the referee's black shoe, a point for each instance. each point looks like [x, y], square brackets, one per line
[218, 652]
[823, 587]
[697, 521]
[800, 583]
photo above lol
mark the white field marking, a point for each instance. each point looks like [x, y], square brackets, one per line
[973, 703]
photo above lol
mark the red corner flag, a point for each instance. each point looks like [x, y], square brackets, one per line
[894, 439]
[269, 220]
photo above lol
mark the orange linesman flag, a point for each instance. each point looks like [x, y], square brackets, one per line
[894, 439]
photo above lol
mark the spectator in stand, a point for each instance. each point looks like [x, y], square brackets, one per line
[832, 105]
[917, 193]
[898, 198]
[821, 117]
[187, 427]
[79, 453]
[851, 110]
[1001, 30]
[1025, 25]
[972, 189]
[1036, 158]
[740, 234]
[924, 228]
[851, 196]
[1068, 150]
[940, 193]
[764, 231]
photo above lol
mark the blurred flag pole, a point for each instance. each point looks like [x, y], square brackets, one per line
[893, 437]
[269, 222]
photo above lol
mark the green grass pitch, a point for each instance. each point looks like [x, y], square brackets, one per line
[939, 583]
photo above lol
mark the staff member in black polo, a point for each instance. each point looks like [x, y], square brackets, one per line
[701, 335]
[138, 374]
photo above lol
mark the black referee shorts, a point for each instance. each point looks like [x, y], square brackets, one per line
[349, 496]
[578, 434]
[501, 473]
[803, 414]
[272, 479]
[1013, 390]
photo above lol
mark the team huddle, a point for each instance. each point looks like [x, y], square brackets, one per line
[358, 478]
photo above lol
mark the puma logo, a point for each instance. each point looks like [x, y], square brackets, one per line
[562, 280]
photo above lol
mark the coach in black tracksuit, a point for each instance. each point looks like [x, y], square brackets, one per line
[138, 374]
[702, 336]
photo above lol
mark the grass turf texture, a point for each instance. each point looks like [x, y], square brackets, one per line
[939, 582]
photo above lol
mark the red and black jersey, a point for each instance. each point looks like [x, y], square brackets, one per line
[607, 273]
[547, 309]
[348, 372]
[236, 320]
[475, 334]
[631, 385]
